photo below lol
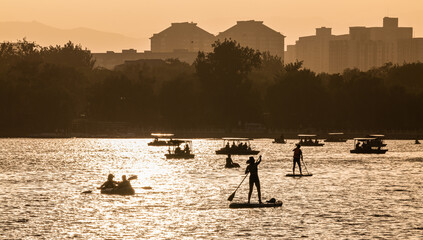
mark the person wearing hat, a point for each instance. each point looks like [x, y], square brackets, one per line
[298, 154]
[109, 183]
[254, 179]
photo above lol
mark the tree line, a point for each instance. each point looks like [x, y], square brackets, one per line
[43, 89]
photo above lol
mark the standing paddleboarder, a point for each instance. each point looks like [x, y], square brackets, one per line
[298, 154]
[254, 179]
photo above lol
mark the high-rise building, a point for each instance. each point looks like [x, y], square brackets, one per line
[256, 35]
[183, 36]
[184, 40]
[363, 48]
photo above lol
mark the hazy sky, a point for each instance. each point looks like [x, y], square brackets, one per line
[142, 18]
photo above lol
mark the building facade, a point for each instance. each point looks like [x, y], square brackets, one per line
[256, 35]
[363, 48]
[184, 40]
[182, 37]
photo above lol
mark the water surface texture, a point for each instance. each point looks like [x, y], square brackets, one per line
[349, 195]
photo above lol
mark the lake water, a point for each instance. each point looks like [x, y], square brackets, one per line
[349, 196]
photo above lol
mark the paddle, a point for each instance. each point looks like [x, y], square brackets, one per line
[305, 166]
[230, 198]
[132, 177]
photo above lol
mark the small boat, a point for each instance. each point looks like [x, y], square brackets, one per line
[299, 175]
[176, 152]
[378, 140]
[367, 147]
[118, 191]
[335, 137]
[309, 140]
[255, 205]
[157, 139]
[240, 146]
[233, 165]
[280, 139]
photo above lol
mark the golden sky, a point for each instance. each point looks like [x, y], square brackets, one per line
[142, 18]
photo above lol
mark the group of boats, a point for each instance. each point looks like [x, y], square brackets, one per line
[182, 149]
[372, 144]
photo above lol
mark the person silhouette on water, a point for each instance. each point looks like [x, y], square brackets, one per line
[125, 183]
[109, 183]
[229, 162]
[254, 179]
[298, 154]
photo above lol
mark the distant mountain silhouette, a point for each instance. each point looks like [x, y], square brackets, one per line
[45, 35]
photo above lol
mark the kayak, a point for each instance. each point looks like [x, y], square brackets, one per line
[118, 191]
[234, 165]
[255, 205]
[299, 175]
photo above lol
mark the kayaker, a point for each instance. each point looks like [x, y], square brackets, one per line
[125, 183]
[254, 179]
[228, 161]
[109, 183]
[298, 154]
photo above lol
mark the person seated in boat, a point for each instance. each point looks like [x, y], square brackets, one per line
[254, 178]
[365, 146]
[316, 141]
[298, 154]
[186, 149]
[109, 183]
[125, 183]
[178, 150]
[240, 145]
[227, 145]
[233, 145]
[357, 145]
[282, 137]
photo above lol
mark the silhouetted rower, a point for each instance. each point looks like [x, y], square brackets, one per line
[109, 183]
[125, 183]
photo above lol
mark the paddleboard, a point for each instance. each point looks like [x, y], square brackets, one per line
[298, 175]
[255, 205]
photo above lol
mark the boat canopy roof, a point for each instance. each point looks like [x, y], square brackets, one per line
[237, 139]
[338, 133]
[364, 139]
[377, 135]
[162, 134]
[306, 135]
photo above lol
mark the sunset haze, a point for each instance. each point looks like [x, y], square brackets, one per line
[141, 19]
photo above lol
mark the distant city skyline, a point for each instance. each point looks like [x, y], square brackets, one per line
[140, 19]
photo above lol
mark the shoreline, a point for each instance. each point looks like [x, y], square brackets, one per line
[218, 134]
